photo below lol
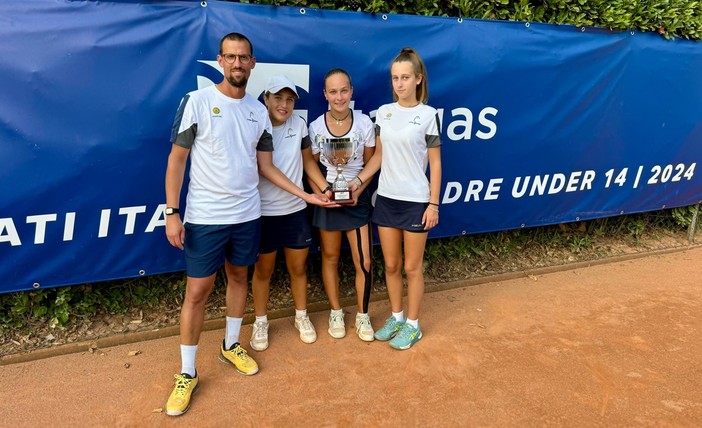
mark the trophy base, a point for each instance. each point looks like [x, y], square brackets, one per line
[342, 197]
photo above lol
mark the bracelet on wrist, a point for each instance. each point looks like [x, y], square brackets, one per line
[358, 181]
[436, 210]
[326, 189]
[431, 203]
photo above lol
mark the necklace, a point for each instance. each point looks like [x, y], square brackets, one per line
[338, 121]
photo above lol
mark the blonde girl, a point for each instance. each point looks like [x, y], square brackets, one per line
[407, 206]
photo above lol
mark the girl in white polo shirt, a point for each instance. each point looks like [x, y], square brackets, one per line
[352, 221]
[407, 139]
[284, 222]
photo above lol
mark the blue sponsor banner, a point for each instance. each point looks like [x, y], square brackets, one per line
[541, 124]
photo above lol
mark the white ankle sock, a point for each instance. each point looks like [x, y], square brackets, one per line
[187, 359]
[233, 328]
[413, 323]
[262, 318]
[299, 313]
[337, 311]
[399, 316]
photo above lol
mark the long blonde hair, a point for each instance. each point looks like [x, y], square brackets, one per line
[411, 56]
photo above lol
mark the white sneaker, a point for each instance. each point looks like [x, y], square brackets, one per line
[304, 325]
[364, 329]
[259, 336]
[337, 328]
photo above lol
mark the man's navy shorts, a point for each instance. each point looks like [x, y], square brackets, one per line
[208, 246]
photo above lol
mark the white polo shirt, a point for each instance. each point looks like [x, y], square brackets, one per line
[223, 135]
[405, 135]
[288, 141]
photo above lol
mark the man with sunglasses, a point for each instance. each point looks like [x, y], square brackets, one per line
[227, 135]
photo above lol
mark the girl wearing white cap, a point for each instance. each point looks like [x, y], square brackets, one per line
[352, 221]
[407, 205]
[284, 223]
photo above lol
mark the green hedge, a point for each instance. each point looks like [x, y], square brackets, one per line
[670, 18]
[69, 306]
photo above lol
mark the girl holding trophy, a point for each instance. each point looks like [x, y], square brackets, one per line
[407, 139]
[343, 139]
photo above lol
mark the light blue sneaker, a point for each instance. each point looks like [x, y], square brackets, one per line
[407, 337]
[389, 330]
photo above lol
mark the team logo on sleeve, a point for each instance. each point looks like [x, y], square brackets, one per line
[216, 111]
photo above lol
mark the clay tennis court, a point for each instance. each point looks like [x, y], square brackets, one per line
[613, 344]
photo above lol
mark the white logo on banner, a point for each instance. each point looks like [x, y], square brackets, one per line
[298, 73]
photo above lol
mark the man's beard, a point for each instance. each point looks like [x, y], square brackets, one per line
[241, 83]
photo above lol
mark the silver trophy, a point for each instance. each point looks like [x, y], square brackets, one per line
[338, 152]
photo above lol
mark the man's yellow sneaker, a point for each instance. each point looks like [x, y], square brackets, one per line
[239, 358]
[179, 401]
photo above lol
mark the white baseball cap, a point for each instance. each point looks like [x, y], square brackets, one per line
[279, 82]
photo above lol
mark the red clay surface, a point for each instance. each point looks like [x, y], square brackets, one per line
[615, 344]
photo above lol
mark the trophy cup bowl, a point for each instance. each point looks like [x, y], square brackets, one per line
[338, 152]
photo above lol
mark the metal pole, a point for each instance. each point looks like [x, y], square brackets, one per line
[693, 225]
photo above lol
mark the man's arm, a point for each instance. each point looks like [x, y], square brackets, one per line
[175, 172]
